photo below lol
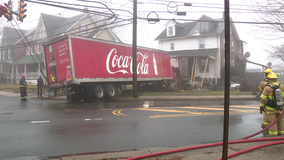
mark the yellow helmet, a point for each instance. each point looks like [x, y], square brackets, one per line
[272, 75]
[267, 70]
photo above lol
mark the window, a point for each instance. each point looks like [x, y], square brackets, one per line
[204, 26]
[201, 43]
[82, 28]
[9, 54]
[202, 64]
[40, 32]
[3, 55]
[38, 48]
[232, 63]
[232, 47]
[170, 31]
[240, 47]
[224, 42]
[172, 46]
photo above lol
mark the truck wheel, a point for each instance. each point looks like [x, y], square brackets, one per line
[99, 92]
[110, 91]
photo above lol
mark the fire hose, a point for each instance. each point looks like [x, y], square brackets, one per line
[241, 140]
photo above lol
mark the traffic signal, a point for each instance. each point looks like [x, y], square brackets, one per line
[8, 15]
[22, 10]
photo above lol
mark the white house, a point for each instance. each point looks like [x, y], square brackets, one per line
[198, 50]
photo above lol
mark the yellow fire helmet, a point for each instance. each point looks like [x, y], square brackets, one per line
[272, 75]
[267, 70]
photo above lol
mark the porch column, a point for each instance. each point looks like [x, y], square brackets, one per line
[17, 73]
[12, 74]
[25, 69]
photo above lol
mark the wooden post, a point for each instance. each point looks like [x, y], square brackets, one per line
[204, 71]
[196, 63]
[192, 69]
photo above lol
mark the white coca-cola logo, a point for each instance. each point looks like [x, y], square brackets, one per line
[123, 64]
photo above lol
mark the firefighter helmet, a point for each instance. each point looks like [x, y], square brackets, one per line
[272, 75]
[23, 76]
[267, 70]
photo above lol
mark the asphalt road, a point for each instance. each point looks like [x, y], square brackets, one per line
[40, 128]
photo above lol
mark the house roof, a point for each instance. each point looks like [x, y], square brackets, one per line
[10, 36]
[193, 53]
[28, 59]
[182, 30]
[55, 25]
[191, 29]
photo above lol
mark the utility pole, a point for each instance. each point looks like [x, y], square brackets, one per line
[134, 49]
[227, 80]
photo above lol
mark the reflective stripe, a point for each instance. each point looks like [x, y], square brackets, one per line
[280, 132]
[262, 105]
[273, 133]
[265, 123]
[270, 97]
[22, 85]
[263, 96]
[270, 108]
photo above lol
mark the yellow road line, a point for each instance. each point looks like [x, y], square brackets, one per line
[184, 113]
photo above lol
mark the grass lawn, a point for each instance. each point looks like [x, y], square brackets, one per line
[16, 88]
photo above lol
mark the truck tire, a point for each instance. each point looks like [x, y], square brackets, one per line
[110, 91]
[99, 92]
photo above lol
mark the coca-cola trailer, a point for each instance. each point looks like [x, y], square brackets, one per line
[88, 69]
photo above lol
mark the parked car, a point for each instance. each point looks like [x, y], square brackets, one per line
[234, 85]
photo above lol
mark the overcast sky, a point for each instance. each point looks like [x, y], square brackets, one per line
[239, 12]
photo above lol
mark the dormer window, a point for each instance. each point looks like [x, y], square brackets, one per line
[171, 31]
[204, 26]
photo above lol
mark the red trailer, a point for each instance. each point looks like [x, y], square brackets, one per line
[89, 69]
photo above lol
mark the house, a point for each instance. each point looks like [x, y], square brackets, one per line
[9, 38]
[28, 59]
[198, 48]
[279, 71]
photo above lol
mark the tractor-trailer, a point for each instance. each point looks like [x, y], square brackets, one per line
[88, 69]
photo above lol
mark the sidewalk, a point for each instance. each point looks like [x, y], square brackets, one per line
[274, 152]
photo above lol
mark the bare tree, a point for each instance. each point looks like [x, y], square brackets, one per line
[271, 25]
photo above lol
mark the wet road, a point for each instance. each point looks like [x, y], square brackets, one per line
[39, 128]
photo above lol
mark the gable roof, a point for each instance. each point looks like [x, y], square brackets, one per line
[55, 25]
[191, 29]
[10, 36]
[182, 30]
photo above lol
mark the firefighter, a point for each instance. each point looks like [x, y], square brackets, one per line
[269, 103]
[262, 85]
[23, 88]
